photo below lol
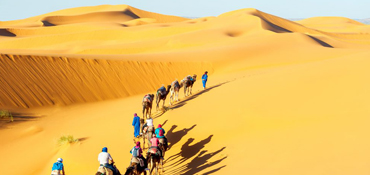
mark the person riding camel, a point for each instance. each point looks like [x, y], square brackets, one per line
[137, 156]
[160, 133]
[106, 160]
[148, 126]
[155, 145]
[58, 168]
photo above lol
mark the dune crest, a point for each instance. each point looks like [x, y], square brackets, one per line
[64, 81]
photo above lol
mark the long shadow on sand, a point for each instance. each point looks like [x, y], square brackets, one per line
[18, 118]
[175, 137]
[199, 159]
[183, 102]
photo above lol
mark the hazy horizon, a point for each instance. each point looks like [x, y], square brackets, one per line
[11, 10]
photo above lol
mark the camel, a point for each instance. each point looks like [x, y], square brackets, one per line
[135, 169]
[163, 146]
[106, 171]
[174, 91]
[148, 134]
[147, 105]
[154, 161]
[162, 94]
[188, 82]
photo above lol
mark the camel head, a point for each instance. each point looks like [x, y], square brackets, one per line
[195, 77]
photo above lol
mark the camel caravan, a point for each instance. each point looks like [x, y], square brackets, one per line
[153, 139]
[173, 90]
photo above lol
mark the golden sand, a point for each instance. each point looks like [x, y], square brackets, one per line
[283, 97]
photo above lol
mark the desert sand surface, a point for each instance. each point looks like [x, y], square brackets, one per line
[282, 97]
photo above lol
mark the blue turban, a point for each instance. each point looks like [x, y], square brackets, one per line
[105, 149]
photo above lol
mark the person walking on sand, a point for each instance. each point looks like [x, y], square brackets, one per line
[204, 79]
[136, 125]
[58, 168]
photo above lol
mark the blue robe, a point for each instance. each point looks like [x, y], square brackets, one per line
[136, 124]
[204, 80]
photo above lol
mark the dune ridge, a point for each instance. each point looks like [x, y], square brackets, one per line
[35, 81]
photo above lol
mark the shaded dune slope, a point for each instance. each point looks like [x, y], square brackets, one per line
[32, 81]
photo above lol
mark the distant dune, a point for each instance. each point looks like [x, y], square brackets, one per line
[365, 21]
[124, 32]
[283, 97]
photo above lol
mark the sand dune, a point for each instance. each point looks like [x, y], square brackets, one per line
[34, 81]
[333, 24]
[283, 97]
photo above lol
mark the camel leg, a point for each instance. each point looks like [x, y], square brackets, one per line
[157, 101]
[171, 97]
[151, 165]
[144, 141]
[150, 111]
[177, 96]
[143, 109]
[162, 166]
[156, 167]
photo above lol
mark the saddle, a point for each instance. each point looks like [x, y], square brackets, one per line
[55, 172]
[162, 91]
[147, 99]
[148, 129]
[175, 84]
[105, 170]
[137, 160]
[153, 150]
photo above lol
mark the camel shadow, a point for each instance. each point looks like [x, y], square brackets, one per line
[183, 102]
[200, 163]
[188, 151]
[175, 137]
[200, 159]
